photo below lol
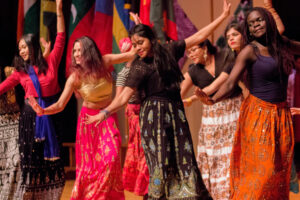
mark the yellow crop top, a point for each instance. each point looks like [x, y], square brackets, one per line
[96, 92]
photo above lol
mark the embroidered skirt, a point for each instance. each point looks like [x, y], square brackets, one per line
[135, 170]
[41, 179]
[168, 148]
[215, 141]
[10, 171]
[98, 167]
[262, 152]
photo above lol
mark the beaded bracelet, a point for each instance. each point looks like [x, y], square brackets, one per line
[106, 113]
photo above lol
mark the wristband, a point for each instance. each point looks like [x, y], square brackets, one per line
[106, 113]
[189, 101]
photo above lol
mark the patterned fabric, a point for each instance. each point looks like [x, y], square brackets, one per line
[41, 179]
[10, 172]
[98, 168]
[262, 152]
[215, 141]
[169, 152]
[135, 170]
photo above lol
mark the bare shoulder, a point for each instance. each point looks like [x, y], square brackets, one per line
[248, 53]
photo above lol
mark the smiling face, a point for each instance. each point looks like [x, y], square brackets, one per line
[234, 39]
[77, 54]
[256, 24]
[23, 50]
[143, 45]
[195, 53]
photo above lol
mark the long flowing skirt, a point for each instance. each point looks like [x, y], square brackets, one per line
[168, 148]
[10, 172]
[98, 167]
[262, 152]
[215, 141]
[41, 179]
[135, 170]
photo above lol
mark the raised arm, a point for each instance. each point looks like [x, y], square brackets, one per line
[60, 17]
[111, 59]
[294, 46]
[202, 34]
[245, 57]
[269, 6]
[118, 102]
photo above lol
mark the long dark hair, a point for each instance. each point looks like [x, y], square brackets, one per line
[91, 66]
[211, 49]
[166, 64]
[276, 45]
[35, 55]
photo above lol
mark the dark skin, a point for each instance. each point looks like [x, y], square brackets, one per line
[246, 58]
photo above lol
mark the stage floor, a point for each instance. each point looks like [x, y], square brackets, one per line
[130, 196]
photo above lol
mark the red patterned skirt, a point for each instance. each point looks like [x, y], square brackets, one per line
[135, 171]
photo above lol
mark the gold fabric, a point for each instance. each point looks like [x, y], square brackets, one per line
[95, 92]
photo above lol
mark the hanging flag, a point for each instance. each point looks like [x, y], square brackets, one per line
[121, 26]
[28, 17]
[94, 19]
[145, 11]
[48, 20]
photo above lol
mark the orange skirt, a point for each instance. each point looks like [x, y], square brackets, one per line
[262, 151]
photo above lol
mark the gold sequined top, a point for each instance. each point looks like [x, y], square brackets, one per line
[96, 92]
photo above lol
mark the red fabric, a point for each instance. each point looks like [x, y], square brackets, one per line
[145, 12]
[297, 104]
[135, 171]
[48, 82]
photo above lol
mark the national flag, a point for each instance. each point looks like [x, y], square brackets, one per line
[48, 20]
[28, 17]
[94, 19]
[121, 26]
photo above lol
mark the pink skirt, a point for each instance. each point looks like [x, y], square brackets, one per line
[135, 171]
[98, 168]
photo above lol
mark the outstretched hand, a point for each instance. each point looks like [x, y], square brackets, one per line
[204, 98]
[226, 8]
[47, 47]
[35, 106]
[135, 18]
[295, 111]
[97, 119]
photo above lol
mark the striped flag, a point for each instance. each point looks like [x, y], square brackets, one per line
[121, 25]
[28, 17]
[94, 19]
[48, 20]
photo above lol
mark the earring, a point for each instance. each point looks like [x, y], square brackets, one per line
[205, 55]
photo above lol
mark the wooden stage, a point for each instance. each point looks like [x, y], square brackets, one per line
[130, 196]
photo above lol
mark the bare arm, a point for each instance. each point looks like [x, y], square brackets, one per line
[185, 85]
[216, 84]
[63, 99]
[111, 59]
[245, 57]
[269, 6]
[60, 17]
[202, 34]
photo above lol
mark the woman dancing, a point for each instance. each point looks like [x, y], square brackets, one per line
[98, 168]
[263, 145]
[165, 133]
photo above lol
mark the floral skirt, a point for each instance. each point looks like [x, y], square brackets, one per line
[262, 152]
[98, 166]
[135, 170]
[41, 179]
[169, 153]
[215, 141]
